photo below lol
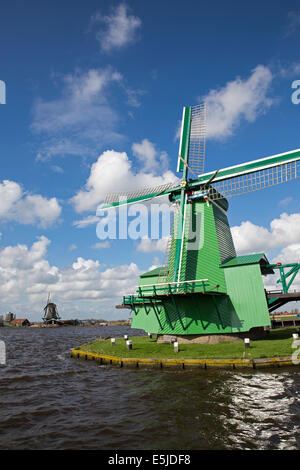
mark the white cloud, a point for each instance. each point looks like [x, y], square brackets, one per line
[10, 193]
[133, 96]
[73, 247]
[289, 254]
[113, 172]
[292, 23]
[282, 238]
[101, 245]
[90, 220]
[119, 30]
[290, 70]
[284, 231]
[81, 118]
[26, 277]
[286, 201]
[177, 131]
[149, 246]
[22, 258]
[237, 100]
[25, 208]
[149, 157]
[57, 169]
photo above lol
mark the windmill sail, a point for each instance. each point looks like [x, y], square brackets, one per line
[184, 140]
[144, 194]
[197, 139]
[259, 180]
[253, 176]
[192, 139]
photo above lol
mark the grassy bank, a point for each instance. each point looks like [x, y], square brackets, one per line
[277, 343]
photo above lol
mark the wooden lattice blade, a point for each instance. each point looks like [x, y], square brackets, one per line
[121, 199]
[256, 181]
[184, 139]
[251, 167]
[249, 177]
[192, 140]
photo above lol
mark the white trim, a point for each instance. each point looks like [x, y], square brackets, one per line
[181, 251]
[167, 283]
[181, 134]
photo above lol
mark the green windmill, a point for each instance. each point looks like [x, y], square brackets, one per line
[204, 288]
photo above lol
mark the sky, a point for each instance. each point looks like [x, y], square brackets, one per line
[94, 93]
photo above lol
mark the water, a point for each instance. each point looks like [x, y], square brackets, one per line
[50, 401]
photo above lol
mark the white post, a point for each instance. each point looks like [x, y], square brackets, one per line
[113, 341]
[2, 353]
[2, 92]
[176, 348]
[129, 344]
[126, 337]
[295, 336]
[247, 342]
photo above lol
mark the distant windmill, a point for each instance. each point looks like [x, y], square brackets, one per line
[51, 315]
[204, 288]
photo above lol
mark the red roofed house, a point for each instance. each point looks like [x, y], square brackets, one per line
[20, 322]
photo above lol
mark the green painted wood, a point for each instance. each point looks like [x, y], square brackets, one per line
[246, 291]
[245, 259]
[202, 256]
[194, 315]
[180, 235]
[153, 273]
[184, 141]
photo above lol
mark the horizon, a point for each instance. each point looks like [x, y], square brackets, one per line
[91, 103]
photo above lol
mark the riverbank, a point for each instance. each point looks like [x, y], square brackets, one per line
[275, 350]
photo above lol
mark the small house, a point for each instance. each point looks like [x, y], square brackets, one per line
[20, 322]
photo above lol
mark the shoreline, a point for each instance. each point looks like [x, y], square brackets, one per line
[277, 349]
[163, 363]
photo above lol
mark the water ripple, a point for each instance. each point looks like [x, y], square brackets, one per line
[50, 401]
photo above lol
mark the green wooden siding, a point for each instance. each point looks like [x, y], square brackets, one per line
[190, 315]
[203, 261]
[246, 290]
[225, 242]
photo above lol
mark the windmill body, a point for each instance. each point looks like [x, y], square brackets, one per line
[51, 315]
[204, 288]
[227, 297]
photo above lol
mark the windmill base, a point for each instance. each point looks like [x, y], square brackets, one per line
[254, 333]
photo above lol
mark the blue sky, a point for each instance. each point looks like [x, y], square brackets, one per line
[85, 78]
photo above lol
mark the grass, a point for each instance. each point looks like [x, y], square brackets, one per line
[277, 343]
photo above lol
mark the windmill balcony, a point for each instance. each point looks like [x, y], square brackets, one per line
[156, 291]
